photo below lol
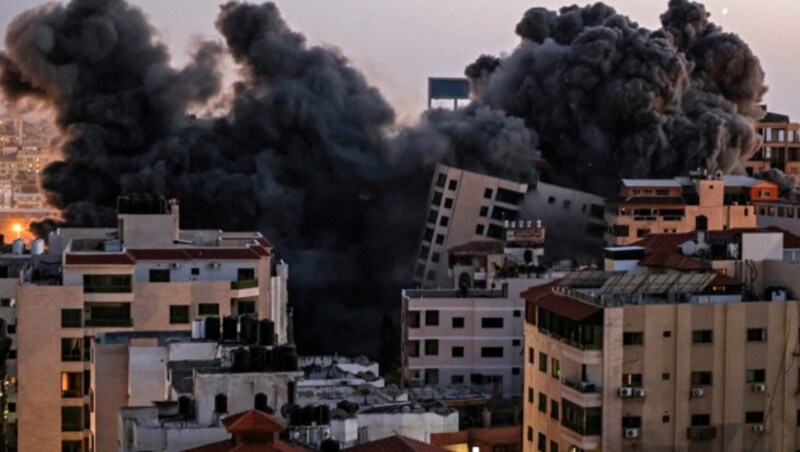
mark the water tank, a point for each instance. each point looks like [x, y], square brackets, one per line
[285, 358]
[240, 359]
[269, 358]
[37, 247]
[266, 332]
[296, 415]
[323, 415]
[212, 328]
[248, 329]
[257, 359]
[185, 407]
[229, 328]
[330, 445]
[18, 247]
[308, 415]
[197, 329]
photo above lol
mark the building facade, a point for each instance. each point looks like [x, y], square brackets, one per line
[780, 148]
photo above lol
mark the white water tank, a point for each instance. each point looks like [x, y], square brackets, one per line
[18, 247]
[37, 247]
[198, 329]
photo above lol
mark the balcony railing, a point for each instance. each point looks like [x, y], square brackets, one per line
[109, 322]
[701, 433]
[584, 387]
[244, 284]
[107, 289]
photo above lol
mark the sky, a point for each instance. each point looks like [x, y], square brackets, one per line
[399, 44]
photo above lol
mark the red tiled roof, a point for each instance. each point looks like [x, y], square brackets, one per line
[396, 443]
[544, 297]
[228, 446]
[98, 259]
[673, 260]
[252, 420]
[264, 242]
[163, 254]
[670, 242]
[260, 250]
[479, 247]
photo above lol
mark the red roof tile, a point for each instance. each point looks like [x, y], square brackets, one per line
[673, 260]
[252, 420]
[396, 443]
[479, 247]
[544, 297]
[228, 446]
[264, 242]
[98, 259]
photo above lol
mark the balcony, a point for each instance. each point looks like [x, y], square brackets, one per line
[702, 433]
[582, 393]
[109, 323]
[244, 284]
[584, 387]
[107, 289]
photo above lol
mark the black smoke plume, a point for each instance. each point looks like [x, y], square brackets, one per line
[305, 150]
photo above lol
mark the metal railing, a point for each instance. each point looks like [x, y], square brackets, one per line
[584, 387]
[244, 284]
[108, 289]
[702, 433]
[121, 322]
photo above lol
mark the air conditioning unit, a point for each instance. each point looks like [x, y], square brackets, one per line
[638, 392]
[215, 265]
[759, 387]
[626, 392]
[758, 428]
[631, 433]
[697, 392]
[175, 265]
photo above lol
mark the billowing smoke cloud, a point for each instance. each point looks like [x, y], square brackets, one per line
[609, 98]
[305, 149]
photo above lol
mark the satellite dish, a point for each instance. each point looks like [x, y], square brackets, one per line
[688, 248]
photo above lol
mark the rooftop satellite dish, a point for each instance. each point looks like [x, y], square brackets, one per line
[688, 248]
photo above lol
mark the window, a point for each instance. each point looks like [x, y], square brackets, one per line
[665, 418]
[479, 229]
[488, 193]
[159, 275]
[431, 318]
[457, 379]
[530, 395]
[443, 220]
[701, 378]
[220, 403]
[431, 347]
[491, 352]
[495, 232]
[633, 338]
[542, 445]
[665, 376]
[554, 409]
[756, 334]
[492, 322]
[245, 307]
[566, 204]
[543, 402]
[632, 380]
[195, 272]
[515, 342]
[108, 314]
[439, 239]
[755, 376]
[423, 252]
[87, 381]
[437, 198]
[531, 355]
[5, 302]
[71, 445]
[12, 328]
[530, 433]
[457, 352]
[458, 322]
[555, 368]
[71, 349]
[754, 417]
[667, 333]
[432, 216]
[448, 203]
[543, 362]
[71, 318]
[452, 185]
[428, 235]
[620, 230]
[551, 200]
[642, 232]
[484, 211]
[701, 420]
[71, 384]
[431, 275]
[702, 336]
[178, 314]
[260, 402]
[631, 422]
[517, 313]
[71, 418]
[515, 370]
[106, 283]
[245, 274]
[435, 257]
[441, 178]
[208, 309]
[413, 349]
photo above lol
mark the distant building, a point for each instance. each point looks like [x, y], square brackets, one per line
[254, 430]
[646, 206]
[780, 148]
[455, 89]
[661, 351]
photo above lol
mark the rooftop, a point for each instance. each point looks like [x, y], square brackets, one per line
[396, 443]
[661, 183]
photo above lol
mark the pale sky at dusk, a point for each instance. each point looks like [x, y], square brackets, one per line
[398, 44]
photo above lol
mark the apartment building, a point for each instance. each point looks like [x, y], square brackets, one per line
[780, 148]
[145, 275]
[463, 206]
[663, 353]
[647, 206]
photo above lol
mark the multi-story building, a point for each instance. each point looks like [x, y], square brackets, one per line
[663, 353]
[145, 275]
[647, 206]
[464, 206]
[780, 148]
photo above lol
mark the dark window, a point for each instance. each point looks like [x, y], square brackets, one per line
[543, 402]
[515, 371]
[756, 335]
[501, 213]
[517, 313]
[516, 342]
[195, 272]
[492, 322]
[435, 257]
[495, 232]
[642, 232]
[701, 378]
[754, 417]
[12, 354]
[71, 318]
[457, 352]
[441, 178]
[106, 283]
[260, 402]
[431, 318]
[5, 302]
[423, 252]
[245, 274]
[448, 203]
[428, 235]
[479, 229]
[542, 443]
[71, 384]
[530, 395]
[87, 381]
[566, 204]
[488, 193]
[208, 309]
[412, 319]
[633, 338]
[12, 407]
[755, 376]
[457, 379]
[701, 420]
[439, 239]
[554, 409]
[531, 355]
[159, 275]
[551, 200]
[458, 322]
[432, 216]
[632, 380]
[702, 336]
[220, 403]
[71, 445]
[443, 221]
[530, 433]
[491, 352]
[631, 422]
[543, 362]
[667, 333]
[108, 315]
[553, 446]
[431, 275]
[245, 307]
[437, 199]
[508, 196]
[665, 376]
[178, 314]
[484, 211]
[12, 329]
[452, 185]
[71, 349]
[665, 418]
[431, 347]
[620, 230]
[71, 418]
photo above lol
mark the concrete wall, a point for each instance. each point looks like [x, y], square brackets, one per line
[241, 389]
[151, 374]
[110, 386]
[417, 426]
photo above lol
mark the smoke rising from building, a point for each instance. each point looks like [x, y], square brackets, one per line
[306, 149]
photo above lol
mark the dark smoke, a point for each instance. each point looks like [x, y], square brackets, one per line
[303, 149]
